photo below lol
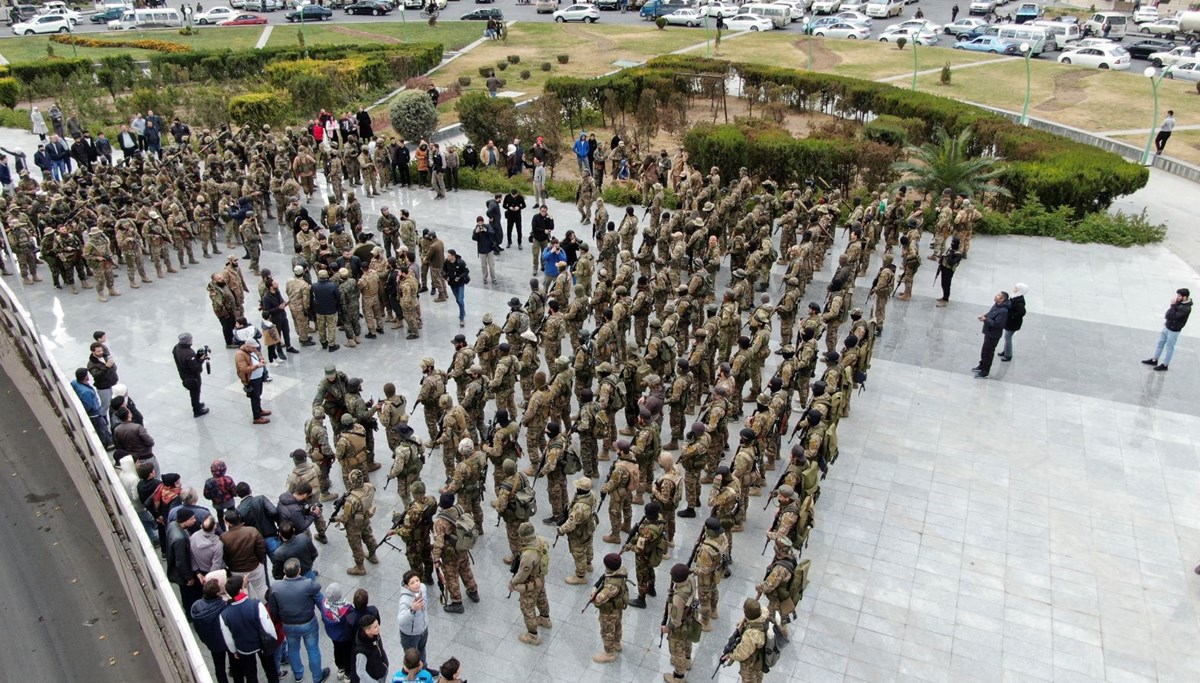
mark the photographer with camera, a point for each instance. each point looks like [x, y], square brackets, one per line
[189, 363]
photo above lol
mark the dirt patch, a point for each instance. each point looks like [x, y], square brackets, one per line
[823, 58]
[377, 37]
[598, 41]
[1068, 93]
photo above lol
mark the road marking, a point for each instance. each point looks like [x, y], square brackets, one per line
[266, 35]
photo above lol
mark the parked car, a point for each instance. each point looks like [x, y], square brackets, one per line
[374, 7]
[963, 26]
[1112, 57]
[854, 6]
[42, 24]
[213, 15]
[1162, 27]
[844, 30]
[658, 8]
[685, 17]
[1093, 42]
[483, 14]
[1185, 71]
[721, 9]
[796, 8]
[913, 35]
[1172, 56]
[922, 24]
[1028, 11]
[989, 44]
[577, 13]
[1142, 49]
[610, 5]
[826, 6]
[749, 22]
[19, 13]
[854, 18]
[68, 14]
[107, 15]
[244, 20]
[1145, 14]
[309, 13]
[262, 5]
[982, 6]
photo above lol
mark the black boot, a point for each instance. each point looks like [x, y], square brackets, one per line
[687, 513]
[638, 602]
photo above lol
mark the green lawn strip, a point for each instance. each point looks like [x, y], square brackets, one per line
[453, 35]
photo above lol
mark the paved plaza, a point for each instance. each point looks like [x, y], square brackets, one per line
[1038, 525]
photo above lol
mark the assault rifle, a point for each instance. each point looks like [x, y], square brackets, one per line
[696, 548]
[775, 490]
[730, 646]
[397, 522]
[443, 596]
[337, 508]
[633, 534]
[604, 494]
[666, 613]
[595, 592]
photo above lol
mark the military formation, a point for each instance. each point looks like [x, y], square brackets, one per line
[641, 383]
[635, 379]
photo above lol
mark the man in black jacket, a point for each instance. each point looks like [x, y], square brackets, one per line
[179, 561]
[1176, 318]
[189, 364]
[457, 276]
[514, 204]
[993, 328]
[259, 512]
[325, 305]
[400, 160]
[103, 369]
[492, 211]
[1016, 315]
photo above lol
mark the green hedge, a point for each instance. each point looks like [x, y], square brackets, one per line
[1032, 218]
[10, 92]
[28, 72]
[1059, 171]
[387, 62]
[258, 108]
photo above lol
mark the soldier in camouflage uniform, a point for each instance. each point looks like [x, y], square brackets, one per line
[351, 448]
[580, 529]
[307, 473]
[408, 458]
[583, 198]
[452, 429]
[349, 305]
[505, 504]
[356, 516]
[611, 597]
[66, 249]
[316, 438]
[588, 425]
[416, 529]
[647, 446]
[432, 387]
[158, 239]
[748, 652]
[710, 560]
[132, 248]
[537, 414]
[622, 480]
[463, 355]
[503, 446]
[454, 564]
[683, 625]
[668, 492]
[299, 301]
[679, 398]
[466, 482]
[98, 253]
[694, 460]
[504, 378]
[777, 582]
[649, 545]
[553, 469]
[24, 242]
[410, 305]
[487, 345]
[363, 414]
[473, 401]
[529, 581]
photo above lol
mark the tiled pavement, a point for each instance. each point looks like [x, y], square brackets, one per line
[1036, 526]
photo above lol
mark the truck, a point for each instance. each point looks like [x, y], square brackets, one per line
[1189, 22]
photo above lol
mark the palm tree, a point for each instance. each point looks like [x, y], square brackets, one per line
[943, 163]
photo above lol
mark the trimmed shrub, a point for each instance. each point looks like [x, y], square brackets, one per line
[514, 59]
[563, 59]
[946, 75]
[546, 66]
[155, 45]
[258, 108]
[525, 74]
[661, 23]
[501, 65]
[486, 71]
[901, 42]
[1032, 218]
[413, 115]
[464, 81]
[486, 118]
[10, 92]
[28, 72]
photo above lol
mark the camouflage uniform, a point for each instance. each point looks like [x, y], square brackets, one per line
[467, 480]
[529, 581]
[98, 253]
[408, 460]
[307, 472]
[455, 564]
[709, 560]
[611, 599]
[579, 529]
[681, 627]
[356, 515]
[622, 480]
[351, 449]
[415, 529]
[132, 248]
[299, 298]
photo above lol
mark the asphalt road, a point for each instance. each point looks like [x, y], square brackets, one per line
[66, 617]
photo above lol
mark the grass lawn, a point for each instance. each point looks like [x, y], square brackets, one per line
[33, 48]
[1183, 145]
[867, 59]
[1091, 99]
[453, 35]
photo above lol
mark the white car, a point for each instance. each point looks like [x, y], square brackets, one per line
[854, 6]
[262, 5]
[916, 23]
[685, 17]
[1092, 42]
[826, 6]
[795, 8]
[844, 30]
[577, 13]
[910, 34]
[241, 4]
[982, 6]
[749, 22]
[50, 23]
[1185, 71]
[1175, 56]
[1145, 15]
[1112, 57]
[721, 9]
[68, 14]
[963, 26]
[214, 15]
[854, 18]
[1162, 27]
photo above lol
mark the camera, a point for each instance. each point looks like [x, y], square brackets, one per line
[203, 354]
[204, 351]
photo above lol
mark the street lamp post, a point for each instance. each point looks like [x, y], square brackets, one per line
[707, 36]
[1150, 73]
[1028, 52]
[809, 32]
[916, 40]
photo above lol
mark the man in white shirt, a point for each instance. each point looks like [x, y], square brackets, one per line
[1164, 132]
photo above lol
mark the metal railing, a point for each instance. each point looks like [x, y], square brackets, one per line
[69, 430]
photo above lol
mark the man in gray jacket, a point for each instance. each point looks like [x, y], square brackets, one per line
[297, 601]
[208, 554]
[993, 328]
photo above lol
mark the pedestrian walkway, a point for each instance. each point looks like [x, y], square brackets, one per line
[1039, 525]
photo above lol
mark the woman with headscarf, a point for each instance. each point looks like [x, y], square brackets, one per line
[1016, 314]
[219, 490]
[334, 613]
[39, 124]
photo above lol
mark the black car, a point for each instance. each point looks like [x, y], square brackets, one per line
[1147, 46]
[610, 4]
[374, 7]
[483, 14]
[309, 13]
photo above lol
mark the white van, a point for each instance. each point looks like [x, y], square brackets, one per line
[160, 17]
[779, 15]
[1040, 40]
[882, 9]
[1065, 35]
[1117, 23]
